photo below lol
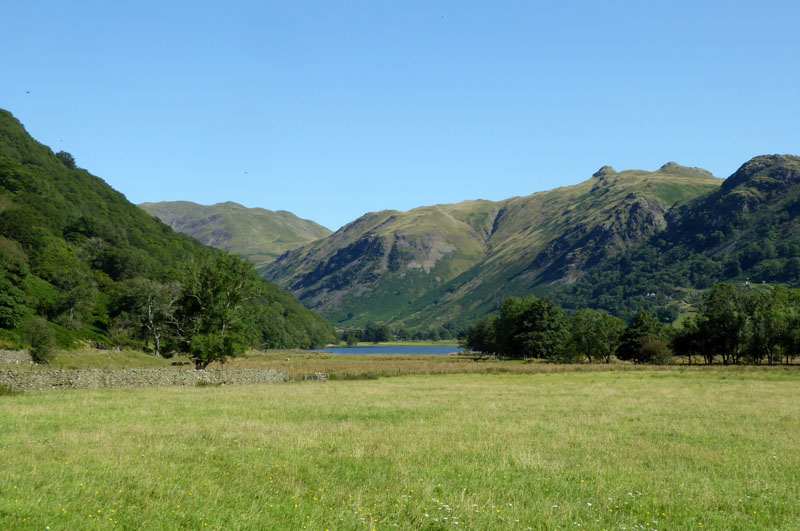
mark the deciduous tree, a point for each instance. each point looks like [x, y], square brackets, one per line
[211, 308]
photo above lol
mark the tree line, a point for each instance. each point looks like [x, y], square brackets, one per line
[379, 333]
[214, 307]
[733, 325]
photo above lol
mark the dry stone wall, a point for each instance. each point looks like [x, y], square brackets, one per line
[15, 357]
[46, 380]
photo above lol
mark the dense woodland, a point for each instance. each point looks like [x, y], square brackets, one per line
[78, 262]
[735, 324]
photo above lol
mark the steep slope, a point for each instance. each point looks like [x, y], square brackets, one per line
[71, 248]
[451, 263]
[257, 234]
[747, 231]
[388, 259]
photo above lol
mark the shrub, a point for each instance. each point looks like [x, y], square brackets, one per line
[654, 350]
[41, 338]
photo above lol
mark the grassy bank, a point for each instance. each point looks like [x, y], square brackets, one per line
[654, 450]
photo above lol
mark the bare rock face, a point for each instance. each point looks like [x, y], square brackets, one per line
[645, 218]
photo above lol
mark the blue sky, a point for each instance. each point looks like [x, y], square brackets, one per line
[333, 109]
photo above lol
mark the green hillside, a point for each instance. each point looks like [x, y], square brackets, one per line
[747, 231]
[74, 252]
[257, 234]
[452, 263]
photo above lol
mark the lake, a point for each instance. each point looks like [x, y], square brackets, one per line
[384, 349]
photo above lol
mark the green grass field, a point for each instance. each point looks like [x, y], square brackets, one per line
[694, 449]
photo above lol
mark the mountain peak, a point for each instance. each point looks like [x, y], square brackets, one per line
[771, 168]
[604, 171]
[675, 167]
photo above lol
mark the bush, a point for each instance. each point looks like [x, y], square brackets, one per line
[41, 338]
[655, 351]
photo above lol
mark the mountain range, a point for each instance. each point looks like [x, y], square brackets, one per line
[621, 241]
[624, 241]
[450, 264]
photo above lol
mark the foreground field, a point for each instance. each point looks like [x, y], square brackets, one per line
[713, 449]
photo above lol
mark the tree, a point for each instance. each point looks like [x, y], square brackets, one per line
[723, 322]
[688, 341]
[211, 307]
[402, 334]
[481, 336]
[595, 334]
[767, 319]
[643, 329]
[790, 341]
[154, 306]
[13, 303]
[42, 339]
[375, 333]
[531, 328]
[78, 295]
[350, 337]
[66, 159]
[609, 330]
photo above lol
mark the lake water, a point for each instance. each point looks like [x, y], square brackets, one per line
[382, 349]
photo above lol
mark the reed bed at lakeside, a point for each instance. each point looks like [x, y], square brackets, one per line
[711, 449]
[300, 364]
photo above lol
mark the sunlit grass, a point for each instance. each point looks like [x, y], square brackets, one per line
[653, 450]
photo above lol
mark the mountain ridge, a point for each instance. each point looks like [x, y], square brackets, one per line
[384, 264]
[747, 230]
[258, 234]
[449, 264]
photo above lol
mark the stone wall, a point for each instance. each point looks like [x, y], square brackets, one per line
[45, 380]
[15, 357]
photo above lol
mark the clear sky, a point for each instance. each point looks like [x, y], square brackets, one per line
[333, 109]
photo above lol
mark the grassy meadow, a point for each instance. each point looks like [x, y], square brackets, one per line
[708, 449]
